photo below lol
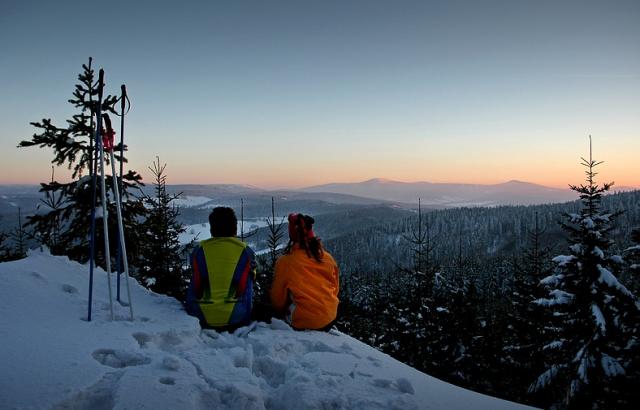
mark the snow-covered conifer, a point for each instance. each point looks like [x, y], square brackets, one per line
[528, 325]
[592, 307]
[632, 254]
[161, 265]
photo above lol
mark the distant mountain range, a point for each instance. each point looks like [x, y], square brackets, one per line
[330, 197]
[450, 195]
[388, 192]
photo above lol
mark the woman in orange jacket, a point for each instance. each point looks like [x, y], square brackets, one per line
[305, 284]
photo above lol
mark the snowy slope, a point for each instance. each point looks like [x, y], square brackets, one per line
[51, 357]
[188, 201]
[202, 231]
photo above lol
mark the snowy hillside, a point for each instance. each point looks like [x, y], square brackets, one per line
[202, 230]
[191, 201]
[53, 358]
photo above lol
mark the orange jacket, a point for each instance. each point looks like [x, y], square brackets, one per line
[306, 289]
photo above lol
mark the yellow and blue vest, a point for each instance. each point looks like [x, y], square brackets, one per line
[221, 289]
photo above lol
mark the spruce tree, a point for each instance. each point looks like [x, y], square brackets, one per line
[5, 252]
[267, 262]
[422, 246]
[53, 202]
[587, 360]
[415, 307]
[456, 330]
[19, 237]
[527, 321]
[161, 264]
[632, 349]
[13, 244]
[632, 256]
[65, 227]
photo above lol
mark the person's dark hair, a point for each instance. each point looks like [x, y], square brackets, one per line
[223, 222]
[301, 232]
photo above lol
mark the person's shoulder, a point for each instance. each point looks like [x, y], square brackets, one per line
[196, 248]
[329, 257]
[250, 251]
[224, 241]
[285, 259]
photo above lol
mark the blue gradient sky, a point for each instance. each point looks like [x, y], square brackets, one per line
[285, 94]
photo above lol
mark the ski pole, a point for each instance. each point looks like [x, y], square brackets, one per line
[123, 101]
[94, 169]
[108, 145]
[105, 223]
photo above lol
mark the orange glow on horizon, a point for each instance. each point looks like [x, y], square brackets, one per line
[556, 178]
[473, 165]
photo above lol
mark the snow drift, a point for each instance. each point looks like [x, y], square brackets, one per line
[53, 358]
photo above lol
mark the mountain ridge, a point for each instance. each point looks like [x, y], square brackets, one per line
[512, 192]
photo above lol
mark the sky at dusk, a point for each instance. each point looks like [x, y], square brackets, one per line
[298, 93]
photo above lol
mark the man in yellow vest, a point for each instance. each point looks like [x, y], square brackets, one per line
[224, 268]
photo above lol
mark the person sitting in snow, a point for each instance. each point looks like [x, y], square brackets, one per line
[305, 284]
[224, 268]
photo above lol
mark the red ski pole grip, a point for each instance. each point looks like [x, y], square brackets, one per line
[108, 137]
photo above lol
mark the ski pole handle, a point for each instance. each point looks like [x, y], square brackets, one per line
[108, 134]
[123, 98]
[100, 84]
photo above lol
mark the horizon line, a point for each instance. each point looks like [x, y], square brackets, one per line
[269, 187]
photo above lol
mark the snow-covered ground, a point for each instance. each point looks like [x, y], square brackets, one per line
[187, 201]
[52, 357]
[201, 231]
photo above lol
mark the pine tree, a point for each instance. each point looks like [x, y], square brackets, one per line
[422, 248]
[65, 227]
[632, 256]
[161, 262]
[527, 322]
[267, 263]
[454, 340]
[486, 350]
[587, 359]
[13, 245]
[53, 202]
[5, 252]
[19, 237]
[415, 306]
[632, 349]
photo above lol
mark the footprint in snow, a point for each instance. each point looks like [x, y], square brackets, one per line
[38, 276]
[404, 385]
[119, 358]
[171, 363]
[100, 395]
[169, 340]
[142, 338]
[169, 381]
[374, 361]
[317, 346]
[382, 383]
[72, 290]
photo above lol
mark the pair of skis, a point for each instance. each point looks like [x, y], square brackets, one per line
[104, 141]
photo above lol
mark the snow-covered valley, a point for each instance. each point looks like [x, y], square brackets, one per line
[201, 231]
